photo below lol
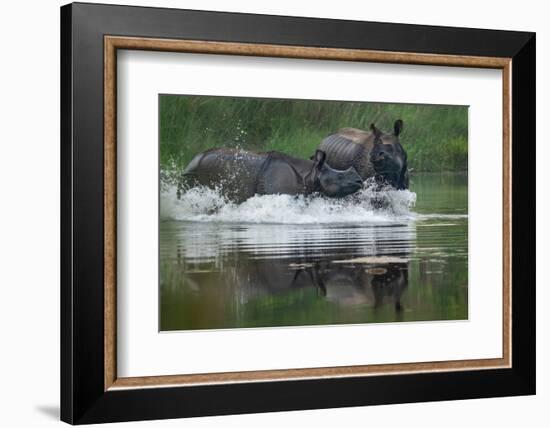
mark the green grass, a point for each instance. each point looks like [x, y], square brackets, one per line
[435, 137]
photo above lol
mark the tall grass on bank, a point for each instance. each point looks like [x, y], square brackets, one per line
[435, 137]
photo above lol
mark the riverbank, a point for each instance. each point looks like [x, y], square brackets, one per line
[435, 137]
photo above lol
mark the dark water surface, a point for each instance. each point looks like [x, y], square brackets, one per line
[217, 272]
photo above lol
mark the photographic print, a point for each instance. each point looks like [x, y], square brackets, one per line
[293, 183]
[287, 212]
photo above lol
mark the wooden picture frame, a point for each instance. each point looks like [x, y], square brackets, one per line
[91, 391]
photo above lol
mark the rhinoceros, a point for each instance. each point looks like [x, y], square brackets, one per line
[242, 174]
[372, 153]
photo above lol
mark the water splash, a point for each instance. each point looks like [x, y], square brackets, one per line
[209, 205]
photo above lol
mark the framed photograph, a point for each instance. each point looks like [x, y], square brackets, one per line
[266, 213]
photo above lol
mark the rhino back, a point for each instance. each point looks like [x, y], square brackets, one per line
[345, 149]
[234, 172]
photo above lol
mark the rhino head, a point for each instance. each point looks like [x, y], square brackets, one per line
[332, 182]
[388, 157]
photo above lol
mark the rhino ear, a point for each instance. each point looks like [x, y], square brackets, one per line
[319, 158]
[377, 133]
[397, 127]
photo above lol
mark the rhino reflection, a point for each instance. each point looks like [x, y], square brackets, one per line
[358, 284]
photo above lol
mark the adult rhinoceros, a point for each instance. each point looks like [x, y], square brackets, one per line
[372, 153]
[242, 174]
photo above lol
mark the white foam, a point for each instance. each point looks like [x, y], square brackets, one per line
[208, 205]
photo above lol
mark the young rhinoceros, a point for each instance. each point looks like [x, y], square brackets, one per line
[372, 153]
[241, 174]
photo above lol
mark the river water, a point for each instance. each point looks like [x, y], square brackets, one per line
[287, 261]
